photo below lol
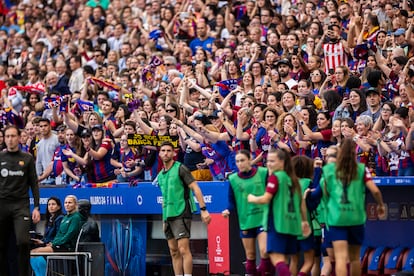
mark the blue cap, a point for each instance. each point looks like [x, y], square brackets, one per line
[214, 114]
[400, 31]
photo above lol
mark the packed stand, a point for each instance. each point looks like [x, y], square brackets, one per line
[80, 77]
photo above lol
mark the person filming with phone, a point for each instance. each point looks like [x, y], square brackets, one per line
[334, 48]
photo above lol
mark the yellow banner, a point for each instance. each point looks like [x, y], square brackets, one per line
[136, 140]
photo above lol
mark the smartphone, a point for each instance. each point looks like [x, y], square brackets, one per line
[346, 94]
[331, 71]
[184, 15]
[295, 50]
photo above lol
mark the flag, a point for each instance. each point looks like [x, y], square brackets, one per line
[156, 61]
[149, 71]
[8, 117]
[51, 102]
[37, 88]
[84, 105]
[227, 85]
[104, 83]
[133, 104]
[361, 51]
[155, 34]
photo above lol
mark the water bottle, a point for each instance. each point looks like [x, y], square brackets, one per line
[83, 182]
[63, 179]
[155, 181]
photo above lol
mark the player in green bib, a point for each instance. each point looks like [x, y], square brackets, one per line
[303, 166]
[286, 215]
[323, 245]
[343, 186]
[177, 188]
[249, 180]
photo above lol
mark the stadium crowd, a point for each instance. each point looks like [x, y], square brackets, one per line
[79, 76]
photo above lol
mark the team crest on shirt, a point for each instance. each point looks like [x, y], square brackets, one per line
[4, 172]
[21, 163]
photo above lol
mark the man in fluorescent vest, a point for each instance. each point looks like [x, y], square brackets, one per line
[176, 183]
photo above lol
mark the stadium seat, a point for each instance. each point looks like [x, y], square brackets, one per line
[376, 261]
[408, 260]
[364, 255]
[393, 263]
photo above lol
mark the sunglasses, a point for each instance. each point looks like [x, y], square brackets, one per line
[170, 110]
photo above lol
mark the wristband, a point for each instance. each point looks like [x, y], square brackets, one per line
[203, 208]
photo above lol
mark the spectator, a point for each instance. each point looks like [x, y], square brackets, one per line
[126, 168]
[53, 218]
[264, 135]
[76, 78]
[352, 106]
[117, 39]
[286, 138]
[202, 40]
[62, 84]
[97, 158]
[45, 149]
[90, 229]
[284, 68]
[55, 168]
[65, 239]
[335, 51]
[373, 103]
[219, 158]
[322, 136]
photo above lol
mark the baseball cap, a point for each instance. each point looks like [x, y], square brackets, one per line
[97, 127]
[86, 133]
[285, 62]
[400, 31]
[61, 128]
[371, 90]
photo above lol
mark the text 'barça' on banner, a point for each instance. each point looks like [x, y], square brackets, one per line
[135, 140]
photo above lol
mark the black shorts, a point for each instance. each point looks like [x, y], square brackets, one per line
[177, 229]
